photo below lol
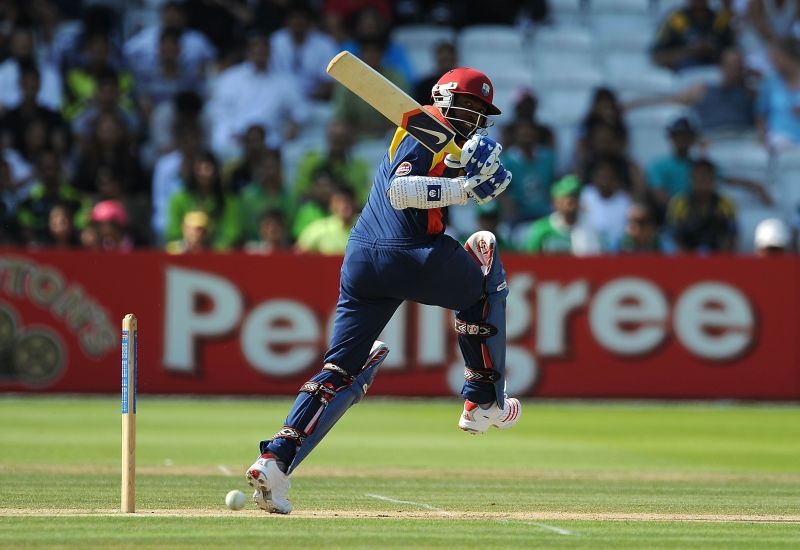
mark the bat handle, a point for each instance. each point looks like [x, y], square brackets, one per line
[453, 149]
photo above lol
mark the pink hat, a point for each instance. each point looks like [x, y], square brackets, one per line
[110, 211]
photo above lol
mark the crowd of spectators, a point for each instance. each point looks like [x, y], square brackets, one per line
[166, 127]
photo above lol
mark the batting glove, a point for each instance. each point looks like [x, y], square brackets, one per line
[484, 188]
[479, 156]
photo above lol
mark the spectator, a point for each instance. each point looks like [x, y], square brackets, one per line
[772, 238]
[341, 14]
[778, 106]
[195, 234]
[50, 188]
[109, 145]
[204, 192]
[170, 118]
[605, 116]
[724, 108]
[273, 234]
[250, 93]
[106, 100]
[169, 174]
[702, 220]
[563, 232]
[641, 231]
[254, 151]
[329, 235]
[525, 106]
[61, 232]
[773, 19]
[302, 50]
[693, 36]
[162, 81]
[610, 141]
[110, 219]
[338, 160]
[17, 180]
[8, 202]
[670, 175]
[196, 51]
[16, 121]
[533, 166]
[604, 204]
[373, 27]
[83, 83]
[313, 205]
[446, 59]
[22, 52]
[264, 193]
[368, 123]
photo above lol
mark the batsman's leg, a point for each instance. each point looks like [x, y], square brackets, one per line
[351, 364]
[481, 332]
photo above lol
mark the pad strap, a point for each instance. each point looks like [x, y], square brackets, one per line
[481, 375]
[478, 329]
[320, 391]
[348, 378]
[292, 434]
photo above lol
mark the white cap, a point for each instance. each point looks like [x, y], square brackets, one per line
[771, 232]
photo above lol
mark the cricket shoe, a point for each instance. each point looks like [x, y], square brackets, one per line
[476, 420]
[270, 484]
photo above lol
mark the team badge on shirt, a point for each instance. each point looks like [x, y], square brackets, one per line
[403, 169]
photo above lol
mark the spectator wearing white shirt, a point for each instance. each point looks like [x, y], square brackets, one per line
[302, 50]
[250, 93]
[22, 49]
[197, 51]
[605, 205]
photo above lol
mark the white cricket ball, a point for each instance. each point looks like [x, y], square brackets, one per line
[235, 499]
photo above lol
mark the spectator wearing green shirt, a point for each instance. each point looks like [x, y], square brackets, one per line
[329, 235]
[204, 192]
[265, 192]
[561, 232]
[337, 160]
[314, 204]
[50, 189]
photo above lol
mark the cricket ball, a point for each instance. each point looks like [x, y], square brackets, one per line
[235, 499]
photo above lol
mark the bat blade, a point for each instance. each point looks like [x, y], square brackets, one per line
[392, 102]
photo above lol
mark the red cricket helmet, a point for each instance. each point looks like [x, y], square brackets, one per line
[464, 80]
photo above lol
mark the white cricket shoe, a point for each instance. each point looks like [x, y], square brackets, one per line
[270, 484]
[476, 420]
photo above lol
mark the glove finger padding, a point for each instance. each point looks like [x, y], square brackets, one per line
[484, 188]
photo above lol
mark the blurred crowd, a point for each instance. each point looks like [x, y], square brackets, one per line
[211, 125]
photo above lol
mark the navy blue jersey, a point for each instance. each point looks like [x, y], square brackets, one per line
[378, 219]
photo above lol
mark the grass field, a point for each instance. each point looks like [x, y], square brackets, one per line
[400, 474]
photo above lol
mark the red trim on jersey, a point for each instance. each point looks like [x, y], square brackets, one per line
[435, 225]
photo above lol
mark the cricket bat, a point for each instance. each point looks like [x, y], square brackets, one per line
[392, 102]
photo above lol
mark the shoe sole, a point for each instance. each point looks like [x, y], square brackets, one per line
[260, 484]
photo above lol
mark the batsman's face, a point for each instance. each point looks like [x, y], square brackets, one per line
[468, 114]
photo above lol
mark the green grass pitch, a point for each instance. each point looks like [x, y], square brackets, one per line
[399, 473]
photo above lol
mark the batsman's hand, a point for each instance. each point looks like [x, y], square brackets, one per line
[484, 188]
[480, 155]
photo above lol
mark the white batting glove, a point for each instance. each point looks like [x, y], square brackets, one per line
[479, 156]
[485, 188]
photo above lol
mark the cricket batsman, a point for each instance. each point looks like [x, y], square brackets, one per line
[398, 251]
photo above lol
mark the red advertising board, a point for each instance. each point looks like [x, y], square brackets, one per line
[652, 327]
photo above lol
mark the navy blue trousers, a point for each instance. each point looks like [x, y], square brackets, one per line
[377, 277]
